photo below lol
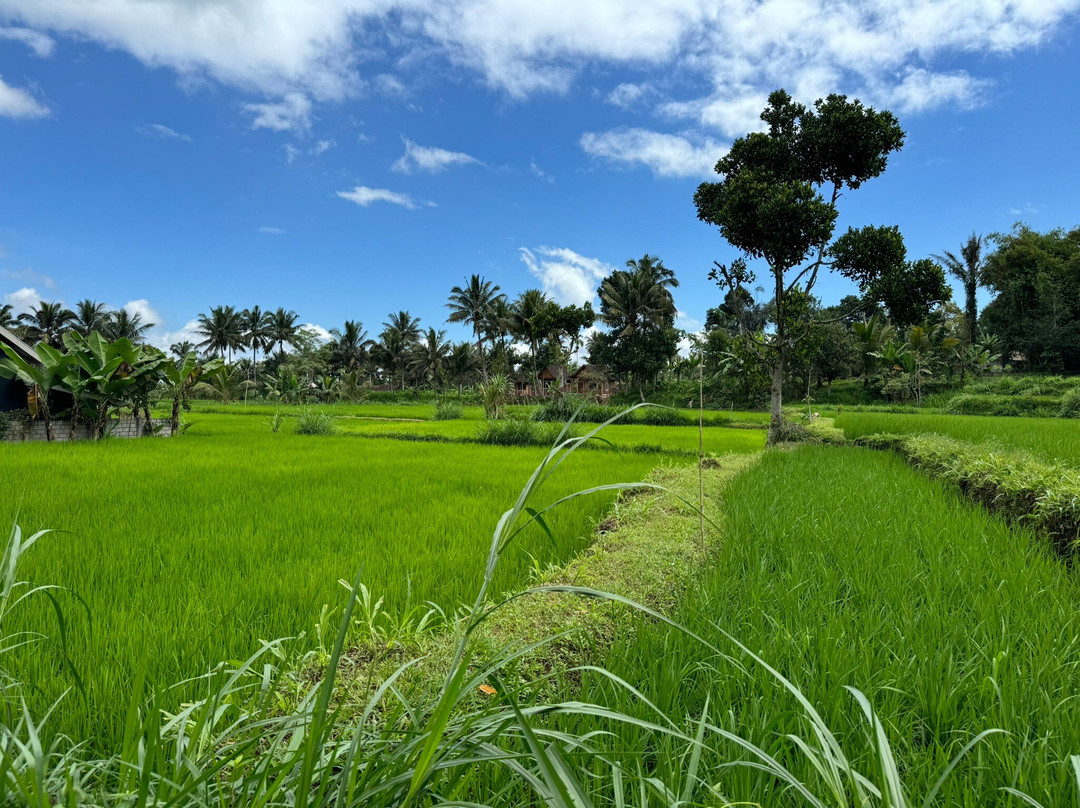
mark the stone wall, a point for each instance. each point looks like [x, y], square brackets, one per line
[61, 428]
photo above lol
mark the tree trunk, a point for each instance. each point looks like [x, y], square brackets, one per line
[972, 311]
[776, 400]
[174, 421]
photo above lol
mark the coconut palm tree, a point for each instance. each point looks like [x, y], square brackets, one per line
[222, 331]
[352, 347]
[639, 297]
[90, 316]
[282, 330]
[122, 324]
[968, 269]
[529, 323]
[872, 335]
[47, 323]
[429, 358]
[405, 324]
[7, 317]
[472, 304]
[461, 364]
[181, 349]
[392, 353]
[256, 323]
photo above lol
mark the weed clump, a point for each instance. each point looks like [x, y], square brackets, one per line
[522, 432]
[313, 422]
[448, 411]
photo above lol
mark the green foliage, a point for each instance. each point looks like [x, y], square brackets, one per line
[1070, 404]
[522, 431]
[448, 410]
[315, 422]
[495, 394]
[1010, 405]
[277, 420]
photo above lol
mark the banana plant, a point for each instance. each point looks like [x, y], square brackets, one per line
[40, 379]
[180, 377]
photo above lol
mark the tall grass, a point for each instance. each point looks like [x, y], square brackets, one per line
[189, 551]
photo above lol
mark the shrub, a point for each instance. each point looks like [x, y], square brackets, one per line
[662, 416]
[1070, 404]
[276, 421]
[562, 409]
[495, 394]
[1001, 404]
[448, 411]
[313, 422]
[522, 432]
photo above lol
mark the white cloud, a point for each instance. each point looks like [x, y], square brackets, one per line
[322, 147]
[666, 155]
[920, 90]
[364, 196]
[16, 103]
[539, 173]
[41, 44]
[160, 130]
[318, 50]
[291, 113]
[317, 331]
[143, 308]
[388, 85]
[291, 153]
[429, 158]
[161, 337]
[272, 231]
[23, 299]
[565, 275]
[627, 96]
[31, 276]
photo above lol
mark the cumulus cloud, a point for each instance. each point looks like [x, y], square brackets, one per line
[666, 155]
[567, 276]
[161, 131]
[920, 89]
[291, 113]
[16, 103]
[364, 196]
[23, 299]
[143, 309]
[41, 44]
[627, 96]
[429, 158]
[320, 49]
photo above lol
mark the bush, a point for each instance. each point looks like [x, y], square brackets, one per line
[562, 409]
[313, 422]
[522, 432]
[448, 411]
[1070, 404]
[1001, 404]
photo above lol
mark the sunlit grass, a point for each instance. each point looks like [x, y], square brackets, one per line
[189, 551]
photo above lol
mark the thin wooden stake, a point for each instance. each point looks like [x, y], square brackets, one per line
[701, 448]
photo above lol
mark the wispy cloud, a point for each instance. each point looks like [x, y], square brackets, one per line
[161, 131]
[364, 196]
[272, 231]
[666, 155]
[19, 104]
[41, 44]
[291, 113]
[29, 276]
[429, 158]
[322, 147]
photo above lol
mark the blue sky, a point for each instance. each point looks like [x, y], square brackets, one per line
[346, 158]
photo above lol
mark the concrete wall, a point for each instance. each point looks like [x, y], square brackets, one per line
[117, 428]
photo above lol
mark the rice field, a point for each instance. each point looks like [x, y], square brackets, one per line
[192, 550]
[1048, 438]
[844, 567]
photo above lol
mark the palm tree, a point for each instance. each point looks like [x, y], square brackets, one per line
[430, 356]
[181, 349]
[7, 317]
[498, 321]
[222, 331]
[255, 322]
[461, 363]
[351, 346]
[47, 323]
[90, 316]
[872, 335]
[472, 305]
[392, 354]
[123, 324]
[405, 324]
[528, 322]
[968, 269]
[282, 329]
[639, 297]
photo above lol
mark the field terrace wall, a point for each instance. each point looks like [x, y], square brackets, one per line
[27, 431]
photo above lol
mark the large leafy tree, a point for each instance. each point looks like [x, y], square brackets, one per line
[90, 316]
[222, 331]
[47, 322]
[968, 269]
[472, 304]
[1036, 311]
[777, 203]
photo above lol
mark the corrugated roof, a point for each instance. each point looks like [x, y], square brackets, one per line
[20, 346]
